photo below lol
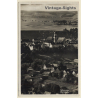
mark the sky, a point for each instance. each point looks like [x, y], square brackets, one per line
[41, 7]
[33, 17]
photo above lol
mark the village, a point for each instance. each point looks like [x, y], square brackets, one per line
[47, 67]
[50, 42]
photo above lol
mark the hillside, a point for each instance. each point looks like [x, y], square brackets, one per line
[31, 20]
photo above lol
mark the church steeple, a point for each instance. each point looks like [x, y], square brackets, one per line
[54, 37]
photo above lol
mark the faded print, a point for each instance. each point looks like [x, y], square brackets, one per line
[49, 50]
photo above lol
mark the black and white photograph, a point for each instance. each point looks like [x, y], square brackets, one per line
[49, 49]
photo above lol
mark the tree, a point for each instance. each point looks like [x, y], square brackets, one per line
[26, 59]
[37, 64]
[24, 48]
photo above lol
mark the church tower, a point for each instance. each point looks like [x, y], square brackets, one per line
[54, 37]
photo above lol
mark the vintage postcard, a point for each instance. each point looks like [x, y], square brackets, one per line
[49, 49]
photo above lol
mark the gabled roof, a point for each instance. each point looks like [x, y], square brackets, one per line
[45, 73]
[49, 38]
[57, 71]
[30, 69]
[55, 65]
[60, 39]
[68, 39]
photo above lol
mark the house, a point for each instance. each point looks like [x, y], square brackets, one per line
[52, 70]
[48, 67]
[57, 45]
[68, 40]
[61, 40]
[73, 73]
[49, 39]
[55, 65]
[44, 67]
[74, 41]
[30, 71]
[46, 44]
[45, 73]
[33, 42]
[64, 73]
[28, 78]
[31, 47]
[69, 65]
[56, 73]
[75, 46]
[75, 62]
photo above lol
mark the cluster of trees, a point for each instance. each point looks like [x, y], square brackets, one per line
[64, 22]
[24, 67]
[60, 49]
[37, 85]
[24, 48]
[26, 58]
[39, 89]
[62, 67]
[29, 35]
[37, 64]
[70, 78]
[72, 33]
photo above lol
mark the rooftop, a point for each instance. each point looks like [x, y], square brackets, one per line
[60, 39]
